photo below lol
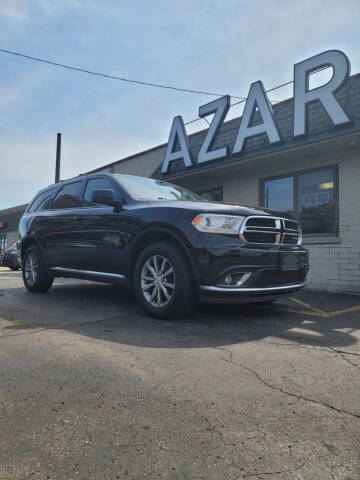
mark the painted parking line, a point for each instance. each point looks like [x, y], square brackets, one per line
[313, 311]
[307, 305]
[355, 308]
[293, 310]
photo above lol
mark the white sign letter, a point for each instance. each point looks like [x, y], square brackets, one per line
[257, 98]
[303, 96]
[220, 107]
[177, 132]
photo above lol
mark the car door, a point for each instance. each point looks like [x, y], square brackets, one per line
[60, 226]
[102, 231]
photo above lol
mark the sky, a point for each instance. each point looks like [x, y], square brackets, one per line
[213, 45]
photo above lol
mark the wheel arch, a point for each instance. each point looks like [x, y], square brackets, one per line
[28, 242]
[158, 234]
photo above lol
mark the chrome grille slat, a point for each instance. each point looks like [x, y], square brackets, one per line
[283, 231]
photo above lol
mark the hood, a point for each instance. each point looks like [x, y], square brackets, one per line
[220, 208]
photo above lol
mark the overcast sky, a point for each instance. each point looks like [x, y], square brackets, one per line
[213, 45]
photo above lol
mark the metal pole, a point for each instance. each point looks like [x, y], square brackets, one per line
[58, 155]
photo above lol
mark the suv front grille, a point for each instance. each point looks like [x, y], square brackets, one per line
[270, 231]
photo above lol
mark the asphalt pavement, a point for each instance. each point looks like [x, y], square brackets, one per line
[91, 388]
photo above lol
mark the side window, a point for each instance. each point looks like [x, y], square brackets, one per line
[68, 196]
[42, 201]
[92, 185]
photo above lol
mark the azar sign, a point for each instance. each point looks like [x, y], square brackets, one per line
[257, 98]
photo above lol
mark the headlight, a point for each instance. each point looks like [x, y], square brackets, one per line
[213, 223]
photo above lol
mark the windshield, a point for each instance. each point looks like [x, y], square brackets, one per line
[141, 188]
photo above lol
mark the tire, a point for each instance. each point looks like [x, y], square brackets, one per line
[180, 300]
[35, 276]
[14, 268]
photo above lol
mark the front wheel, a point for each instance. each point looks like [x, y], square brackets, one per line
[163, 282]
[35, 276]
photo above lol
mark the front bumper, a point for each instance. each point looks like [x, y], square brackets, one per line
[266, 278]
[254, 290]
[213, 294]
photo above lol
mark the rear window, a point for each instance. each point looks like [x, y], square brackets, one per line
[42, 201]
[68, 196]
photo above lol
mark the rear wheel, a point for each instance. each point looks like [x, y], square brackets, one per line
[163, 282]
[35, 276]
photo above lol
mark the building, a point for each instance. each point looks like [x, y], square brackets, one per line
[9, 221]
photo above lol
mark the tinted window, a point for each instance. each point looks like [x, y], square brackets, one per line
[42, 201]
[91, 186]
[142, 188]
[316, 201]
[68, 197]
[279, 194]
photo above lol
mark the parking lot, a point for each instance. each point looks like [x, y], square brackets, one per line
[91, 388]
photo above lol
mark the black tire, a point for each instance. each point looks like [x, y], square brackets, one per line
[183, 297]
[41, 281]
[14, 268]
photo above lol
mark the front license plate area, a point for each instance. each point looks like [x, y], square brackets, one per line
[290, 261]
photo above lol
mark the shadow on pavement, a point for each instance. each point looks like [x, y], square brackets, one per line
[111, 314]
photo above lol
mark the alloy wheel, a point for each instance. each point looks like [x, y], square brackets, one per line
[158, 281]
[31, 269]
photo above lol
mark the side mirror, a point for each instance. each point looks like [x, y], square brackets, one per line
[106, 197]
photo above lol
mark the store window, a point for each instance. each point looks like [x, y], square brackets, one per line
[3, 243]
[311, 196]
[212, 194]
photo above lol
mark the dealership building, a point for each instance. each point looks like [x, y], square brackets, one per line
[299, 156]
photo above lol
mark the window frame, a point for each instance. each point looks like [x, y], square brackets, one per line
[296, 174]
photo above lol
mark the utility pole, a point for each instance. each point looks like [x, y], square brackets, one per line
[58, 155]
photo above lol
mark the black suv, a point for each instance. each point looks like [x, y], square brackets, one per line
[169, 244]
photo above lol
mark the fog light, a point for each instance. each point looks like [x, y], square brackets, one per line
[234, 279]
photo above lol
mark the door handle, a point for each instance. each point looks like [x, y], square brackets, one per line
[42, 219]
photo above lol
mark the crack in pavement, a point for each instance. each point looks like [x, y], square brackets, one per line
[307, 347]
[280, 389]
[339, 353]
